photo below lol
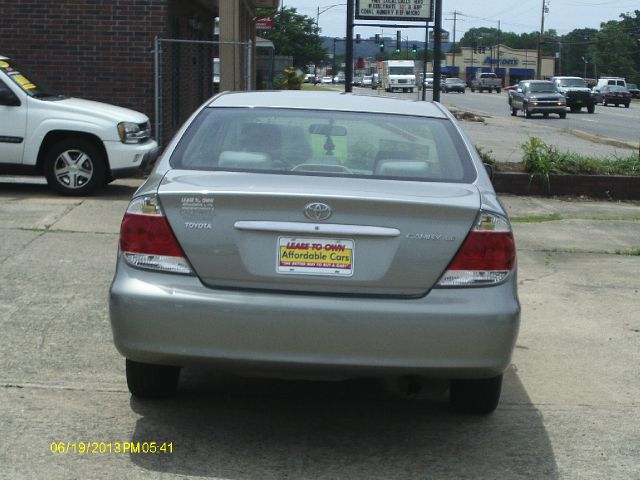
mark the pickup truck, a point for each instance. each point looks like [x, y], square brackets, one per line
[486, 81]
[537, 96]
[577, 93]
[78, 145]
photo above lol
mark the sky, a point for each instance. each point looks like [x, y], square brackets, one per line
[514, 16]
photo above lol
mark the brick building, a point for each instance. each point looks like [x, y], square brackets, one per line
[104, 49]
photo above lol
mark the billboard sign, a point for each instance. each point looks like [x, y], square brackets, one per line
[404, 10]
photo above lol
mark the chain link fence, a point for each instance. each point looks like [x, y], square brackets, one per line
[186, 76]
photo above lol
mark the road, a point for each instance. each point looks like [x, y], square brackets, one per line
[569, 407]
[618, 123]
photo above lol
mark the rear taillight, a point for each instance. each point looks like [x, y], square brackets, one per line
[146, 239]
[487, 256]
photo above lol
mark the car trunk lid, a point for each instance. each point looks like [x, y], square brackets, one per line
[245, 230]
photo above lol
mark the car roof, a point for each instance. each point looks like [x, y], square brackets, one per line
[536, 81]
[327, 101]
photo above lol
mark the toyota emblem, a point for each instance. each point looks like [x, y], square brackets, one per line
[317, 211]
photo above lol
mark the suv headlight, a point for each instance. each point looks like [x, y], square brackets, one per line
[130, 132]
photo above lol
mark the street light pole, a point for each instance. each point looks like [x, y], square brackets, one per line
[320, 11]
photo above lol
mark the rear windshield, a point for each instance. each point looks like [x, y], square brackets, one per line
[327, 143]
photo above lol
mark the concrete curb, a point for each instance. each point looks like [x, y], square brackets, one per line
[611, 187]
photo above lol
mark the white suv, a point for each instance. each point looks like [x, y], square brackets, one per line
[78, 145]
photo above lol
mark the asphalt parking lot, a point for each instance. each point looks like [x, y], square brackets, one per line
[569, 408]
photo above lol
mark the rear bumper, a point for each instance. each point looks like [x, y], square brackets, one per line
[175, 320]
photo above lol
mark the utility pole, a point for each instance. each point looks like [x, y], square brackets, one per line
[437, 51]
[348, 87]
[453, 49]
[498, 46]
[540, 41]
[425, 58]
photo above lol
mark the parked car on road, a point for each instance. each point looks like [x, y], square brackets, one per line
[453, 85]
[537, 96]
[486, 81]
[633, 90]
[268, 240]
[366, 81]
[425, 80]
[614, 95]
[376, 81]
[326, 79]
[78, 145]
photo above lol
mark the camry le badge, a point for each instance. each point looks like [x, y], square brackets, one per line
[317, 211]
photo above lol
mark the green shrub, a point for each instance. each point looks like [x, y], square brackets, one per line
[542, 160]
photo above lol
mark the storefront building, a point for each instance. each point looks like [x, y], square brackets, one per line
[509, 64]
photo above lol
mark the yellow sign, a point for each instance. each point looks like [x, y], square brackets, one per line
[315, 256]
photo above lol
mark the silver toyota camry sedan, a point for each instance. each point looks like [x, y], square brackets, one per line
[314, 233]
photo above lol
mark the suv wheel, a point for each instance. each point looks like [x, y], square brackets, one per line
[146, 380]
[527, 113]
[476, 396]
[74, 167]
[591, 108]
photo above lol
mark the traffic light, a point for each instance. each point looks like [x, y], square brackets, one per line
[381, 45]
[414, 48]
[398, 42]
[357, 38]
[377, 39]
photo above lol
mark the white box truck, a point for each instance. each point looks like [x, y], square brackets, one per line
[398, 75]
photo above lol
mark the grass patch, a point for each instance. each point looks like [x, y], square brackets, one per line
[316, 88]
[542, 160]
[633, 252]
[536, 218]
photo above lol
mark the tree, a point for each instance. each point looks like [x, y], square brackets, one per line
[297, 36]
[575, 51]
[613, 51]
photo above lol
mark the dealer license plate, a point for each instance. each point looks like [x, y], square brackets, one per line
[315, 256]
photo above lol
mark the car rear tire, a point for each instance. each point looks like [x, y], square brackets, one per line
[514, 112]
[591, 108]
[480, 396]
[563, 115]
[626, 105]
[146, 380]
[75, 166]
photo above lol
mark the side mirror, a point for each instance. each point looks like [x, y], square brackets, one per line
[8, 99]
